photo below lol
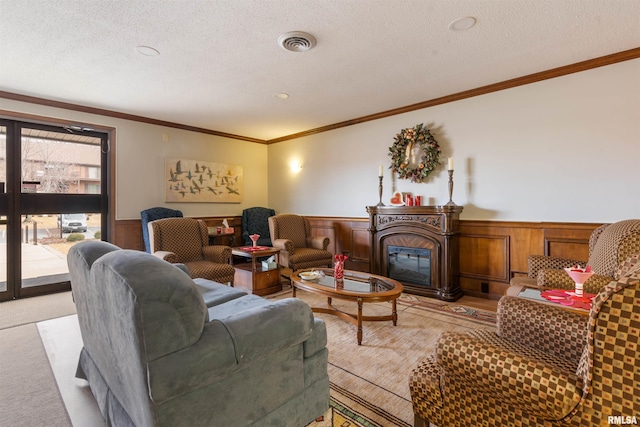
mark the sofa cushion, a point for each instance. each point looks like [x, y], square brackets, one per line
[214, 293]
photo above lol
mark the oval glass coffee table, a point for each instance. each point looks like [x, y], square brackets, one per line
[356, 286]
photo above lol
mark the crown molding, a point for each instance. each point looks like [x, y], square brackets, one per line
[495, 87]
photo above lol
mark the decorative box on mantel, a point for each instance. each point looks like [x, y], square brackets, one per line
[417, 246]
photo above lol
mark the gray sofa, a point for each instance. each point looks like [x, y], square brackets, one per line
[155, 355]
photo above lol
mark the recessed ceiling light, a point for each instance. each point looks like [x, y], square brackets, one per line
[297, 41]
[147, 51]
[281, 95]
[462, 23]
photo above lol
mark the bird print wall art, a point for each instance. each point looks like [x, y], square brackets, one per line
[198, 181]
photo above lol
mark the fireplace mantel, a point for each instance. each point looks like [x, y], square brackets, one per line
[428, 227]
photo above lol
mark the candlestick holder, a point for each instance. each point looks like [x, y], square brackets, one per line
[450, 202]
[380, 192]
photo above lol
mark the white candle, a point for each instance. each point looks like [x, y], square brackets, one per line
[380, 171]
[450, 163]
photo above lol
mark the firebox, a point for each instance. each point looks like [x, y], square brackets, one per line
[411, 265]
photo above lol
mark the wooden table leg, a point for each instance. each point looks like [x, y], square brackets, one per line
[359, 321]
[394, 312]
[294, 290]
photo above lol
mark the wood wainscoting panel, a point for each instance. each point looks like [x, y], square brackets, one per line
[484, 257]
[360, 241]
[348, 236]
[490, 252]
[128, 234]
[326, 231]
[568, 240]
[567, 248]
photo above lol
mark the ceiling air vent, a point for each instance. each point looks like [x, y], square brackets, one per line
[297, 41]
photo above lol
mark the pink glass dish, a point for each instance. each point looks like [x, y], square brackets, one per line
[579, 276]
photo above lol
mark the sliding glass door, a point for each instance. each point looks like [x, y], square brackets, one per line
[53, 194]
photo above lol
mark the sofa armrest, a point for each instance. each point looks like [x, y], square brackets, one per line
[628, 266]
[225, 343]
[554, 278]
[217, 253]
[318, 339]
[183, 268]
[205, 362]
[283, 244]
[533, 387]
[559, 279]
[554, 330]
[595, 283]
[167, 256]
[268, 328]
[540, 262]
[318, 242]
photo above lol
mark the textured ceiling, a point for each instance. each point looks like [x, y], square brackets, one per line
[220, 65]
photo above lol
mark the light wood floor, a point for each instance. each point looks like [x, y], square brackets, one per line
[479, 303]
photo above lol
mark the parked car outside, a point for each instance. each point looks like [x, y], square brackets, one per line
[73, 222]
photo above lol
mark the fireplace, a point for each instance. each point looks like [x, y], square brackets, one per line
[412, 265]
[417, 246]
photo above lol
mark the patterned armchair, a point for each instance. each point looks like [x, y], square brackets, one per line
[256, 221]
[153, 214]
[298, 248]
[610, 245]
[186, 241]
[545, 366]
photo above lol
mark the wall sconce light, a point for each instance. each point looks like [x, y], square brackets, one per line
[295, 166]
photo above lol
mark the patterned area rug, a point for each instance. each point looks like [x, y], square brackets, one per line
[346, 410]
[488, 317]
[369, 383]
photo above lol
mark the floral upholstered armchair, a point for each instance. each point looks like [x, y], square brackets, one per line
[610, 246]
[545, 366]
[186, 241]
[298, 248]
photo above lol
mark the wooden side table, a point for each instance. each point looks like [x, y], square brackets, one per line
[214, 234]
[251, 276]
[535, 294]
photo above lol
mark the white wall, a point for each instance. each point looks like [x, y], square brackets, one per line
[565, 149]
[140, 154]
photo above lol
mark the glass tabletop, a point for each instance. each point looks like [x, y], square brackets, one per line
[530, 293]
[373, 285]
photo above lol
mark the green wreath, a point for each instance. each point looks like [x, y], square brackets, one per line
[415, 153]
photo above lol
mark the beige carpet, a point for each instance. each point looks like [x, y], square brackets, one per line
[28, 393]
[35, 309]
[369, 383]
[373, 379]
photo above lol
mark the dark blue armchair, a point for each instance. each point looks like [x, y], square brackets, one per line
[256, 221]
[152, 214]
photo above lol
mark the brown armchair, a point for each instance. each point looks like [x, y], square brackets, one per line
[298, 248]
[544, 366]
[610, 245]
[186, 241]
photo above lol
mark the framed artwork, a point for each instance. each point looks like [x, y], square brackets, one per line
[205, 182]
